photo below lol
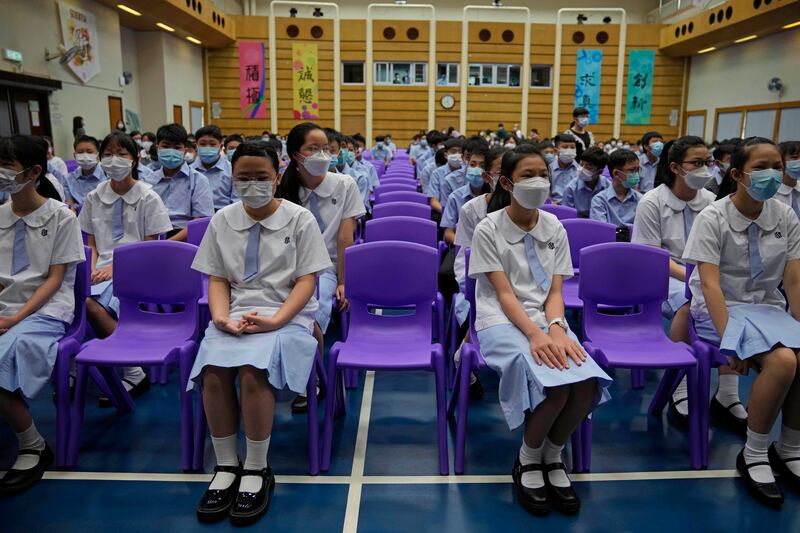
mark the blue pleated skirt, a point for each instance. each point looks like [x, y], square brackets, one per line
[28, 353]
[286, 355]
[103, 293]
[675, 299]
[327, 287]
[523, 383]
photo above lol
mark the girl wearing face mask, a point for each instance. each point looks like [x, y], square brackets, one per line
[745, 246]
[121, 210]
[520, 256]
[88, 175]
[262, 312]
[148, 139]
[334, 201]
[788, 192]
[40, 246]
[578, 129]
[664, 219]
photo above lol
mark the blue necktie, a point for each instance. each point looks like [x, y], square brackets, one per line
[540, 277]
[117, 229]
[251, 254]
[313, 205]
[19, 262]
[688, 219]
[756, 266]
[794, 203]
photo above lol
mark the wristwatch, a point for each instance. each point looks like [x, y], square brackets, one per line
[559, 322]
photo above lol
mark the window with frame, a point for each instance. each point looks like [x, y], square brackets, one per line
[447, 74]
[494, 75]
[390, 73]
[541, 76]
[353, 72]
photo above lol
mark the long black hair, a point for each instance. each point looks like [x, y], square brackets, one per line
[289, 187]
[502, 198]
[29, 151]
[77, 124]
[738, 160]
[123, 140]
[674, 151]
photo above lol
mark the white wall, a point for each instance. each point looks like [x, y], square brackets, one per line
[130, 63]
[150, 51]
[738, 75]
[183, 63]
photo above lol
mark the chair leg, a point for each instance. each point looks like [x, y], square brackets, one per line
[665, 389]
[637, 378]
[455, 387]
[330, 399]
[465, 368]
[76, 416]
[104, 387]
[186, 356]
[313, 422]
[586, 442]
[695, 444]
[62, 404]
[119, 396]
[351, 377]
[577, 448]
[441, 412]
[703, 398]
[451, 346]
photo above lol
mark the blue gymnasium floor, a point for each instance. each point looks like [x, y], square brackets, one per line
[384, 471]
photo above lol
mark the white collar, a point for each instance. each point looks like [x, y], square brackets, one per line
[238, 219]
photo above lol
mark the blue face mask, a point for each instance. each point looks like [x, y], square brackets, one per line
[229, 154]
[475, 177]
[333, 163]
[423, 143]
[344, 154]
[351, 158]
[656, 148]
[583, 122]
[208, 154]
[170, 158]
[380, 145]
[549, 158]
[764, 183]
[793, 169]
[631, 180]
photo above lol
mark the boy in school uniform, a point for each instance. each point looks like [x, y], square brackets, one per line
[652, 146]
[360, 143]
[458, 178]
[230, 144]
[88, 175]
[617, 204]
[381, 151]
[452, 151]
[564, 168]
[215, 167]
[582, 189]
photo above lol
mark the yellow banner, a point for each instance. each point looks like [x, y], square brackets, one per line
[305, 81]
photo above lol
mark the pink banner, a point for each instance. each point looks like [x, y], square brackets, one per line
[252, 85]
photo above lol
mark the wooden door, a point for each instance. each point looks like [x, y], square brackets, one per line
[114, 111]
[177, 114]
[197, 115]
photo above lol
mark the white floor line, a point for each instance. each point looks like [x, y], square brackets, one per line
[359, 457]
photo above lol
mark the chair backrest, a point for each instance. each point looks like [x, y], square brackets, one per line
[622, 274]
[392, 187]
[77, 329]
[391, 275]
[402, 196]
[562, 212]
[401, 180]
[403, 209]
[157, 272]
[687, 292]
[196, 229]
[583, 232]
[405, 229]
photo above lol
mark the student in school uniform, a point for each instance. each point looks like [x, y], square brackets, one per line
[664, 218]
[455, 161]
[458, 177]
[563, 169]
[435, 141]
[358, 170]
[389, 144]
[184, 191]
[746, 246]
[121, 210]
[88, 175]
[788, 192]
[520, 256]
[722, 162]
[40, 246]
[214, 166]
[55, 162]
[230, 144]
[589, 181]
[148, 139]
[262, 256]
[380, 151]
[335, 202]
[617, 204]
[652, 145]
[548, 149]
[365, 166]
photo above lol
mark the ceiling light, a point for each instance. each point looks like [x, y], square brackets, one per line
[792, 25]
[193, 40]
[130, 10]
[706, 50]
[165, 27]
[745, 39]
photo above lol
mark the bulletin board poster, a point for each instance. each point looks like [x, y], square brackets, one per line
[640, 86]
[252, 80]
[79, 36]
[305, 81]
[587, 81]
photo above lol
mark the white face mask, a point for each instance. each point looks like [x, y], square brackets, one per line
[116, 168]
[567, 155]
[86, 161]
[9, 183]
[317, 164]
[696, 179]
[189, 157]
[585, 175]
[254, 194]
[531, 193]
[146, 145]
[454, 160]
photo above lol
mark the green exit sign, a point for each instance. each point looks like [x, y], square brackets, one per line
[12, 55]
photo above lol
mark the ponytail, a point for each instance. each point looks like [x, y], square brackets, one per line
[674, 152]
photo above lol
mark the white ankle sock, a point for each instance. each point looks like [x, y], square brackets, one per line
[225, 450]
[755, 451]
[552, 454]
[728, 393]
[681, 393]
[527, 456]
[134, 374]
[30, 439]
[788, 447]
[256, 459]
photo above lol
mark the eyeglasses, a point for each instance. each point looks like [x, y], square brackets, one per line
[697, 163]
[255, 177]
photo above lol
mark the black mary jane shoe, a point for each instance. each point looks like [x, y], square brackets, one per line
[18, 481]
[216, 504]
[136, 390]
[779, 465]
[722, 416]
[300, 402]
[249, 507]
[767, 493]
[565, 499]
[476, 389]
[681, 420]
[532, 500]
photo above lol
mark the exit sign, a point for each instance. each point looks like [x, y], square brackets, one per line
[12, 55]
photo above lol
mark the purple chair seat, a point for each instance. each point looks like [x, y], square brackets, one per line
[562, 212]
[373, 355]
[409, 209]
[628, 353]
[402, 196]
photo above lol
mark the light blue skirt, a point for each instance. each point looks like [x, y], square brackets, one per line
[327, 287]
[103, 293]
[462, 308]
[28, 353]
[285, 354]
[523, 383]
[675, 299]
[752, 329]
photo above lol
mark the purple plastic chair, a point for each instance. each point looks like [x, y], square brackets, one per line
[389, 275]
[562, 212]
[401, 209]
[635, 340]
[403, 180]
[196, 229]
[582, 232]
[393, 187]
[72, 165]
[143, 338]
[402, 196]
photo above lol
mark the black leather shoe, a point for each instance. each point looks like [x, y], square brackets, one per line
[135, 391]
[300, 402]
[682, 421]
[779, 465]
[563, 498]
[532, 500]
[722, 416]
[215, 504]
[767, 493]
[249, 507]
[18, 481]
[476, 389]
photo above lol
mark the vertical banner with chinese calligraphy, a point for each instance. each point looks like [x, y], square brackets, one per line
[305, 81]
[252, 80]
[640, 86]
[587, 81]
[79, 35]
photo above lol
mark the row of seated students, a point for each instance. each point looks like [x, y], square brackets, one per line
[267, 323]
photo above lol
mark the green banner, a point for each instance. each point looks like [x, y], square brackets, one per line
[640, 86]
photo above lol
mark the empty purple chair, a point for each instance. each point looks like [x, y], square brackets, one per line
[635, 340]
[582, 232]
[403, 209]
[562, 212]
[393, 187]
[143, 338]
[196, 229]
[406, 229]
[403, 196]
[389, 275]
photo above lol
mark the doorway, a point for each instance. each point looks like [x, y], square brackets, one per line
[114, 112]
[197, 115]
[177, 114]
